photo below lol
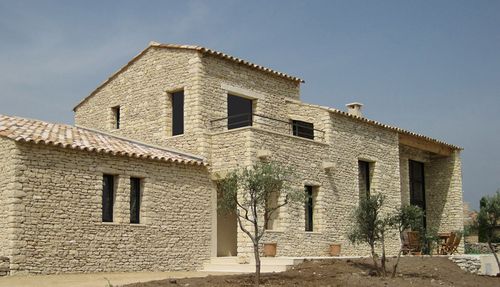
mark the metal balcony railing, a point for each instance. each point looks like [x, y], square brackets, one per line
[267, 123]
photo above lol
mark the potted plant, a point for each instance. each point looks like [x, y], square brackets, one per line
[335, 249]
[270, 249]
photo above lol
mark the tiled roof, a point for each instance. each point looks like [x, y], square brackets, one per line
[193, 48]
[225, 56]
[376, 123]
[66, 136]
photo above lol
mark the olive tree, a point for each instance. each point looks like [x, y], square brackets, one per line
[248, 191]
[369, 226]
[406, 217]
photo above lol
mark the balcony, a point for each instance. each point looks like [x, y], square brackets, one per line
[295, 128]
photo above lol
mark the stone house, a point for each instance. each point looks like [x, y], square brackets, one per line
[131, 185]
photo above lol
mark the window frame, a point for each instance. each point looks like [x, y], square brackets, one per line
[136, 191]
[108, 197]
[302, 129]
[309, 208]
[116, 110]
[177, 101]
[365, 169]
[247, 118]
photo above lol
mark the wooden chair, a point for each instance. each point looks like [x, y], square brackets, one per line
[447, 246]
[414, 242]
[406, 243]
[456, 243]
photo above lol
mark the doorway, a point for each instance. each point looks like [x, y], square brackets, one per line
[227, 234]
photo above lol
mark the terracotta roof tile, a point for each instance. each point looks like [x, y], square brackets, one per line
[66, 136]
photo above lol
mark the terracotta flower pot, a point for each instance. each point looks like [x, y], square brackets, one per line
[335, 249]
[270, 249]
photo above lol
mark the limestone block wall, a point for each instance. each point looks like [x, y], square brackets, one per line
[338, 190]
[444, 193]
[220, 77]
[7, 171]
[443, 187]
[62, 228]
[142, 92]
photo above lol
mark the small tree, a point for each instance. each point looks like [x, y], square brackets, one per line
[406, 217]
[248, 191]
[368, 226]
[488, 219]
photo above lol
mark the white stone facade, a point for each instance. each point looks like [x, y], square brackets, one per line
[180, 220]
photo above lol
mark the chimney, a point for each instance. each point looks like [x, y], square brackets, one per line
[355, 109]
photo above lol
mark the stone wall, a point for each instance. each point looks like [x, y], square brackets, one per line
[7, 165]
[4, 266]
[62, 228]
[444, 193]
[142, 92]
[337, 189]
[469, 263]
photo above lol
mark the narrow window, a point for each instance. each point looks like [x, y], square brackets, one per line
[364, 178]
[309, 207]
[135, 199]
[178, 113]
[239, 112]
[116, 117]
[303, 129]
[417, 186]
[108, 193]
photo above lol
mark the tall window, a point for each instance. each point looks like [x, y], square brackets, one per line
[309, 208]
[178, 113]
[364, 178]
[108, 196]
[116, 117]
[417, 185]
[135, 199]
[239, 112]
[303, 129]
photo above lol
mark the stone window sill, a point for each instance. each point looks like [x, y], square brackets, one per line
[313, 232]
[275, 231]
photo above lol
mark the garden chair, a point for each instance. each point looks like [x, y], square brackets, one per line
[406, 243]
[447, 246]
[456, 243]
[414, 242]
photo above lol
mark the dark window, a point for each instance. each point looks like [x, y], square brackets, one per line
[108, 190]
[135, 199]
[309, 207]
[303, 129]
[417, 185]
[116, 116]
[364, 178]
[178, 113]
[239, 112]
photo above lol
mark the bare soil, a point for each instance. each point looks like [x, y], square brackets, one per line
[413, 271]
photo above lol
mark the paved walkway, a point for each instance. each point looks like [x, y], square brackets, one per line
[94, 279]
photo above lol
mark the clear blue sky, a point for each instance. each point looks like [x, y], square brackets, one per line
[428, 66]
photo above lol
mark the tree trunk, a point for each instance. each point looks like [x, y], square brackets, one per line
[257, 264]
[395, 267]
[374, 259]
[384, 271]
[494, 253]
